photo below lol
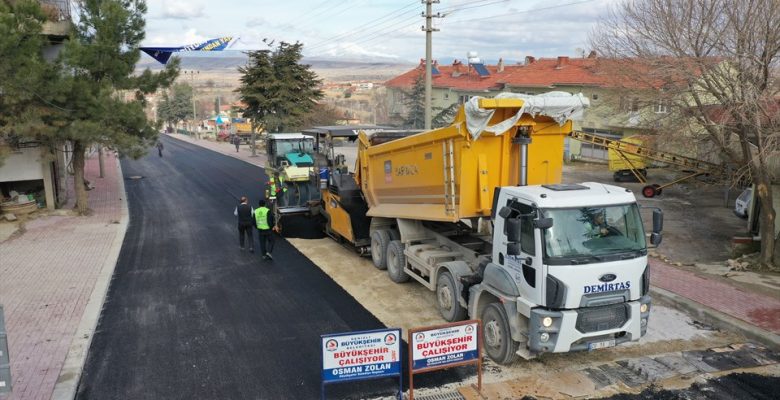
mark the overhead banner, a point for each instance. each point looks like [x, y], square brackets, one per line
[163, 54]
[441, 347]
[361, 355]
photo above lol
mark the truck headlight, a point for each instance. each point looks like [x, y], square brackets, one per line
[643, 308]
[547, 322]
[544, 337]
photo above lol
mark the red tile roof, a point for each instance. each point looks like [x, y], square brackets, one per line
[544, 72]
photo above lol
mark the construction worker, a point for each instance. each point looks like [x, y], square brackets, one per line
[273, 190]
[246, 218]
[264, 219]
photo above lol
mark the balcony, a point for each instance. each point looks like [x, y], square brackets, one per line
[59, 24]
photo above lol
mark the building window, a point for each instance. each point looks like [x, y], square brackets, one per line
[446, 96]
[463, 99]
[629, 104]
[594, 96]
[661, 106]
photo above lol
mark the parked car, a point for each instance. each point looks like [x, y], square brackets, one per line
[742, 204]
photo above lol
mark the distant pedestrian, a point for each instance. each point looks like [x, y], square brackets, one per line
[264, 219]
[246, 223]
[237, 142]
[159, 148]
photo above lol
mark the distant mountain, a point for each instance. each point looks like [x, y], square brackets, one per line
[235, 60]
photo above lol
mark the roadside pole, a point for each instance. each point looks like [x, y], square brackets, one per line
[428, 28]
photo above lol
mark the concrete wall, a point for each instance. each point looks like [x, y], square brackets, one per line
[23, 165]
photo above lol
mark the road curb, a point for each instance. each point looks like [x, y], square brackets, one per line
[717, 319]
[70, 374]
[231, 155]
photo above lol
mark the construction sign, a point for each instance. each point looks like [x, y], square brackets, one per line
[443, 346]
[361, 355]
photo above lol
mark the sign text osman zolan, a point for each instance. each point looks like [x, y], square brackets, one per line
[440, 347]
[360, 355]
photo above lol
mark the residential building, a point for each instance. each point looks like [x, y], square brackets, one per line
[611, 113]
[29, 167]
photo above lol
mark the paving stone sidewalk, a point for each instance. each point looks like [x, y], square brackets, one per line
[244, 153]
[48, 276]
[753, 308]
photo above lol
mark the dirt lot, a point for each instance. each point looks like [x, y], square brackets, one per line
[698, 223]
[698, 230]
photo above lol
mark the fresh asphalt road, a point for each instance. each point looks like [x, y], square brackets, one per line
[190, 316]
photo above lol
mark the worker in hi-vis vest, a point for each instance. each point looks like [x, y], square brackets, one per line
[264, 219]
[274, 189]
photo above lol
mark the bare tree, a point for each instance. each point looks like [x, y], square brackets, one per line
[717, 62]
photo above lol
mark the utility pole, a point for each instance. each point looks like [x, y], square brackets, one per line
[428, 28]
[194, 111]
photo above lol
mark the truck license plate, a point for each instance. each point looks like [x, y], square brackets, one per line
[601, 345]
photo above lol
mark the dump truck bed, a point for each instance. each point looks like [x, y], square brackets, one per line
[450, 174]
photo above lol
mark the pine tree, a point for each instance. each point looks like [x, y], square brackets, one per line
[173, 110]
[23, 70]
[277, 90]
[99, 100]
[415, 103]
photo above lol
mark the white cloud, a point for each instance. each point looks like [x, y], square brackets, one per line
[189, 36]
[181, 9]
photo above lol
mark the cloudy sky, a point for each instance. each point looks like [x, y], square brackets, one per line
[361, 29]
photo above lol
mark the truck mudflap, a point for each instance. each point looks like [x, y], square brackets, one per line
[589, 328]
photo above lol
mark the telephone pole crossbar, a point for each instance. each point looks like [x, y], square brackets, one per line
[429, 29]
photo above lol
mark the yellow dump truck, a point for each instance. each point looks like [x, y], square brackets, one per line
[476, 213]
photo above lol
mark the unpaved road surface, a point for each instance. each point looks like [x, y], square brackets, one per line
[672, 335]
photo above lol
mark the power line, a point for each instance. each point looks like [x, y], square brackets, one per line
[521, 12]
[356, 30]
[379, 34]
[380, 29]
[342, 6]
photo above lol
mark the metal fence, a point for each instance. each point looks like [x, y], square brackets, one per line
[56, 10]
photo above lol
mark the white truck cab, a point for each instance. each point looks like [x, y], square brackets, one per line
[569, 268]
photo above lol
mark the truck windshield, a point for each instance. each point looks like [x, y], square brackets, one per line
[295, 146]
[594, 232]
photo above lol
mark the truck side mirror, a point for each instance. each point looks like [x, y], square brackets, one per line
[655, 239]
[513, 229]
[658, 221]
[505, 212]
[543, 223]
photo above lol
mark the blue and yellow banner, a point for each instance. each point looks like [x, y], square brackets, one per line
[163, 54]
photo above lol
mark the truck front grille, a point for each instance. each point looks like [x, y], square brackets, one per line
[602, 318]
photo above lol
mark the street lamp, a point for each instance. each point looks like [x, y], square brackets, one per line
[194, 111]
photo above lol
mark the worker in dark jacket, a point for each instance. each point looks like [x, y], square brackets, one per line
[264, 219]
[246, 223]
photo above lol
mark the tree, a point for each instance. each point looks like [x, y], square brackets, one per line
[97, 99]
[322, 114]
[716, 62]
[445, 116]
[276, 89]
[178, 108]
[415, 103]
[23, 69]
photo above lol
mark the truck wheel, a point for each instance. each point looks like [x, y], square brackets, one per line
[396, 261]
[447, 298]
[379, 241]
[648, 191]
[497, 338]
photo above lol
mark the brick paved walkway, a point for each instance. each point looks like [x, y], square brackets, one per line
[753, 308]
[48, 275]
